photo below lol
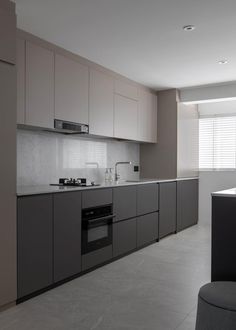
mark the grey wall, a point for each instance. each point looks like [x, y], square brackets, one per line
[44, 157]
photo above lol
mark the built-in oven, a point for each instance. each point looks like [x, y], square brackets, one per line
[96, 228]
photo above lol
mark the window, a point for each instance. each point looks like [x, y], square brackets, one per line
[217, 142]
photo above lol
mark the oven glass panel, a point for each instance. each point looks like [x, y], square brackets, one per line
[97, 233]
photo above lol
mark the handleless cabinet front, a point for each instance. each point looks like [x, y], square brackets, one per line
[124, 202]
[147, 229]
[7, 36]
[67, 235]
[124, 237]
[34, 242]
[71, 90]
[167, 216]
[187, 203]
[39, 81]
[96, 197]
[147, 198]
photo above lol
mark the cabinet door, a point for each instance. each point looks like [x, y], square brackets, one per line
[34, 242]
[101, 104]
[125, 202]
[125, 118]
[147, 198]
[20, 64]
[67, 235]
[124, 237]
[99, 197]
[147, 229]
[7, 36]
[167, 215]
[126, 89]
[8, 183]
[71, 90]
[39, 86]
[187, 203]
[147, 117]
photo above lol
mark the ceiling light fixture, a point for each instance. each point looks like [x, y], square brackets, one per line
[223, 61]
[189, 28]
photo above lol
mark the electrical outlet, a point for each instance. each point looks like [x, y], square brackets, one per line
[136, 168]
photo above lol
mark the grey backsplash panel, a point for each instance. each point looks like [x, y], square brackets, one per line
[44, 157]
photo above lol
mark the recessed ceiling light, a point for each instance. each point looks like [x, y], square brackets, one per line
[223, 62]
[189, 27]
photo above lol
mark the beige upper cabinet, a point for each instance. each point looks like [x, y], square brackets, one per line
[126, 89]
[39, 86]
[20, 64]
[101, 104]
[7, 36]
[147, 117]
[125, 118]
[71, 90]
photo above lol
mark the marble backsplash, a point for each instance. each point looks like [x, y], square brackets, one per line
[44, 157]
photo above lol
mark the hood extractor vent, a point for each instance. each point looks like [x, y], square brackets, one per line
[67, 127]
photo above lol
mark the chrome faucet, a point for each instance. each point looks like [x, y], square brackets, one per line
[117, 176]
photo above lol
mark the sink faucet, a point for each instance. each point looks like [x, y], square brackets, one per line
[117, 176]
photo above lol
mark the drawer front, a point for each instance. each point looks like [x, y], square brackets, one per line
[96, 258]
[93, 198]
[124, 237]
[147, 198]
[147, 229]
[124, 202]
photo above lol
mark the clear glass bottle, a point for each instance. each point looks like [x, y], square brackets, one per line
[107, 175]
[110, 175]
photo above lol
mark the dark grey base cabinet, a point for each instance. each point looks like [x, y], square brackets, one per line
[223, 251]
[147, 229]
[67, 235]
[125, 202]
[34, 243]
[187, 203]
[147, 198]
[167, 214]
[124, 237]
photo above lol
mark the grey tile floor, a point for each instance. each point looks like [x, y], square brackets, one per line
[153, 289]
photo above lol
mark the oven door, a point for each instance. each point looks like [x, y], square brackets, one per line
[96, 233]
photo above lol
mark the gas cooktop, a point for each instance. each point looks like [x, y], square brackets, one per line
[71, 182]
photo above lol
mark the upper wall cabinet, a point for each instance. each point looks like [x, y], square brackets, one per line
[20, 64]
[39, 86]
[126, 118]
[126, 89]
[7, 36]
[147, 117]
[101, 104]
[71, 90]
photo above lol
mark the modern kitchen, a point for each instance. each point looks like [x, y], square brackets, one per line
[118, 155]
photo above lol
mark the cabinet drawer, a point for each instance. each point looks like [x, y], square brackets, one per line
[124, 237]
[147, 228]
[147, 198]
[124, 202]
[92, 198]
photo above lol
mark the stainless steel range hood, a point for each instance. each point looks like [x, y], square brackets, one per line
[67, 127]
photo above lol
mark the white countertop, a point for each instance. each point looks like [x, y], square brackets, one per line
[225, 193]
[48, 189]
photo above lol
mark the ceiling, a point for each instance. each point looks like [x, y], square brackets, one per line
[142, 39]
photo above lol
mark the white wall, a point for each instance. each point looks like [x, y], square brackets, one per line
[210, 181]
[187, 136]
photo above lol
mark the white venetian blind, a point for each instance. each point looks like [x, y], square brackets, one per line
[217, 142]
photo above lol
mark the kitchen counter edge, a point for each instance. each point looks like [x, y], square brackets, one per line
[47, 189]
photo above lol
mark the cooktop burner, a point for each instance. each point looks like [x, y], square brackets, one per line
[79, 182]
